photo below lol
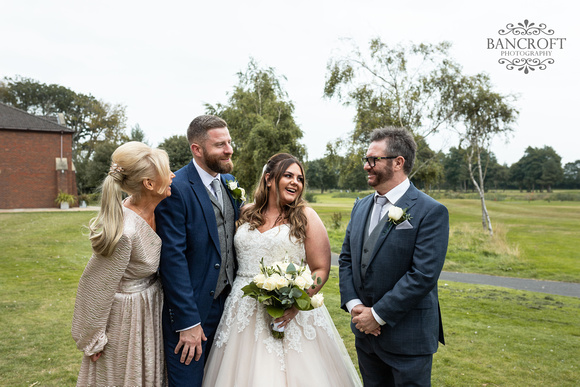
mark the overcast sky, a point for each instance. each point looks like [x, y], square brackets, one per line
[164, 60]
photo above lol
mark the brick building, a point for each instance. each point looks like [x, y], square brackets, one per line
[35, 159]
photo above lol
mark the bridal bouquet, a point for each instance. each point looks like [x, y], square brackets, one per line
[281, 286]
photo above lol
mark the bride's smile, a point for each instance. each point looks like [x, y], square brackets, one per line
[291, 184]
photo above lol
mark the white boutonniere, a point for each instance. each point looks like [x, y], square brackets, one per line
[237, 192]
[397, 215]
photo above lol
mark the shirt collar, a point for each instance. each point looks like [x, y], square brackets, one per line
[395, 194]
[205, 177]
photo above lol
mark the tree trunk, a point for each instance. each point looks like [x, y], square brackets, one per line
[485, 219]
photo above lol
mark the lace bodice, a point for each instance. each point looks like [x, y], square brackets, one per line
[272, 245]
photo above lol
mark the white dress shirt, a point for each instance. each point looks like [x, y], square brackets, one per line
[206, 178]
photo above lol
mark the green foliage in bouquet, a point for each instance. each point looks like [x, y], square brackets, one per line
[283, 285]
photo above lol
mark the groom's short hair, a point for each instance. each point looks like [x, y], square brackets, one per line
[197, 131]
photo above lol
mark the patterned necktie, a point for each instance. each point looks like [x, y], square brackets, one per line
[380, 202]
[217, 188]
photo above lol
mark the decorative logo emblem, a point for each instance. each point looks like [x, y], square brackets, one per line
[530, 47]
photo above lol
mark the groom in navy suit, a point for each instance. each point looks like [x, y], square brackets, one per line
[391, 258]
[197, 264]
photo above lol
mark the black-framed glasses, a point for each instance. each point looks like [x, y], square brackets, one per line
[373, 160]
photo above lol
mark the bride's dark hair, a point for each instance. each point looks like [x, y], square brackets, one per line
[293, 213]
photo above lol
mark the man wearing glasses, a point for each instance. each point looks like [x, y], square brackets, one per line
[391, 258]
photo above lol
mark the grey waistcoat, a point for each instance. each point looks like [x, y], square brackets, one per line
[370, 242]
[226, 228]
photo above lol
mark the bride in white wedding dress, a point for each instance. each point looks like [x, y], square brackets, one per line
[244, 352]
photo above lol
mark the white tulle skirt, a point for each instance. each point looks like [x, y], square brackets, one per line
[246, 354]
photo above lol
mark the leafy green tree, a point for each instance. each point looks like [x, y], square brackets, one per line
[498, 174]
[431, 172]
[35, 97]
[482, 114]
[137, 134]
[260, 120]
[96, 168]
[552, 171]
[352, 176]
[517, 175]
[177, 147]
[571, 175]
[455, 169]
[539, 168]
[393, 86]
[404, 86]
[321, 175]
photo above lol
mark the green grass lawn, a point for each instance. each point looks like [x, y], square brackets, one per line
[532, 239]
[495, 336]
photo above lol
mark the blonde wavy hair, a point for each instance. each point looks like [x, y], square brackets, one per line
[132, 163]
[292, 213]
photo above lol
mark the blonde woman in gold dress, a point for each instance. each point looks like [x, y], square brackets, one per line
[117, 314]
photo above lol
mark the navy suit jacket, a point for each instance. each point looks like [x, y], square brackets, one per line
[190, 253]
[401, 279]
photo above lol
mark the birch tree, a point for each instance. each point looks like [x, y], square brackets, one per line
[482, 114]
[395, 85]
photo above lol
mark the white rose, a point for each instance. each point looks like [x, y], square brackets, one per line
[281, 282]
[395, 213]
[232, 185]
[317, 300]
[283, 265]
[307, 277]
[243, 195]
[301, 283]
[259, 279]
[269, 284]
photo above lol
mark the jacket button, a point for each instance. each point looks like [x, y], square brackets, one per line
[366, 250]
[217, 265]
[211, 293]
[364, 265]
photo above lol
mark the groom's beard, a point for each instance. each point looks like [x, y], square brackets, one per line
[215, 164]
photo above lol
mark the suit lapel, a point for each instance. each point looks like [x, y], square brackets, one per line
[205, 202]
[234, 204]
[407, 201]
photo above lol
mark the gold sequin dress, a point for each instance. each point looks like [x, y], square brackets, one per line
[118, 311]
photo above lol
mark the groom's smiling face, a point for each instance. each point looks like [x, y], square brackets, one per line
[216, 152]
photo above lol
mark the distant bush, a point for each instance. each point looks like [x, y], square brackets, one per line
[336, 220]
[453, 195]
[509, 195]
[92, 199]
[309, 197]
[352, 195]
[566, 196]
